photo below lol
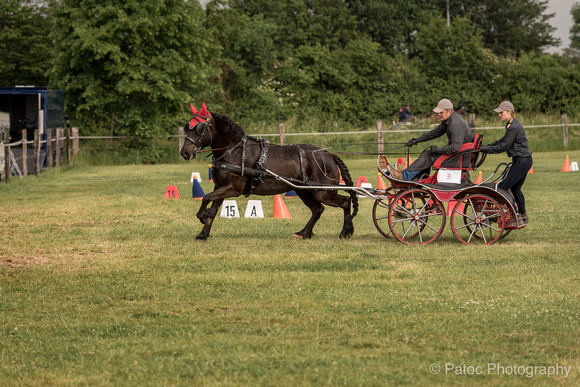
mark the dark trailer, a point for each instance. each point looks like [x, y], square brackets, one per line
[30, 108]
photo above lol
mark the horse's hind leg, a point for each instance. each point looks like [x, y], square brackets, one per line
[206, 216]
[317, 209]
[333, 199]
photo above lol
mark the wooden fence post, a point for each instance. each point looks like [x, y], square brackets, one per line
[68, 146]
[282, 134]
[49, 148]
[36, 152]
[75, 144]
[180, 137]
[565, 130]
[380, 147]
[7, 166]
[57, 148]
[471, 120]
[24, 152]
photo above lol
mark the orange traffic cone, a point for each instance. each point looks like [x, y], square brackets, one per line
[280, 209]
[408, 160]
[479, 178]
[341, 180]
[381, 183]
[531, 169]
[566, 166]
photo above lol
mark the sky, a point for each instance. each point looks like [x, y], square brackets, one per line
[562, 21]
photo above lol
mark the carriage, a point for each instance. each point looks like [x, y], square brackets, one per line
[412, 212]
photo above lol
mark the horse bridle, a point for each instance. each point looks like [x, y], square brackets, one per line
[200, 129]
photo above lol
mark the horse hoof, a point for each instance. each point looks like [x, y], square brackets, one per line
[296, 236]
[345, 236]
[200, 240]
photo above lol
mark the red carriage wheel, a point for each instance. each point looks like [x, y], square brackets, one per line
[416, 217]
[478, 219]
[381, 217]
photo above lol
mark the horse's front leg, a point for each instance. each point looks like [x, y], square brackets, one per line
[207, 215]
[207, 219]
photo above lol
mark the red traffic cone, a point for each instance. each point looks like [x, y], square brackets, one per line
[451, 205]
[171, 192]
[479, 178]
[360, 180]
[566, 166]
[280, 209]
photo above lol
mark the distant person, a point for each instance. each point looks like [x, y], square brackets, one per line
[458, 133]
[515, 144]
[402, 119]
[408, 111]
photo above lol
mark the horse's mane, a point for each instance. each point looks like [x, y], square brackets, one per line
[227, 126]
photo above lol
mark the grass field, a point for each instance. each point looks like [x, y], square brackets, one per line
[101, 283]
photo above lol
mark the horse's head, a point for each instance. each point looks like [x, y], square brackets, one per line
[198, 133]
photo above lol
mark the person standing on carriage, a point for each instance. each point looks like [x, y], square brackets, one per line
[458, 133]
[515, 144]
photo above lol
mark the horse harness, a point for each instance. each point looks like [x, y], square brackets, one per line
[256, 173]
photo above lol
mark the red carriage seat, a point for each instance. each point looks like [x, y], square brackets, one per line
[468, 155]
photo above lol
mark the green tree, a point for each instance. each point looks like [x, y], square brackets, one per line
[575, 29]
[392, 24]
[540, 84]
[248, 49]
[259, 38]
[455, 62]
[25, 50]
[133, 65]
[300, 22]
[508, 27]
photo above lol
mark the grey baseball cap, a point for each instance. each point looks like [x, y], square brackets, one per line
[444, 104]
[505, 105]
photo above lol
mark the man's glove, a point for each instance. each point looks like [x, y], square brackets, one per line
[435, 149]
[412, 142]
[485, 149]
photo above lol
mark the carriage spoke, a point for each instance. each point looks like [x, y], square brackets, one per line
[416, 217]
[428, 225]
[476, 221]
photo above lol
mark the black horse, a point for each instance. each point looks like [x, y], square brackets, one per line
[245, 165]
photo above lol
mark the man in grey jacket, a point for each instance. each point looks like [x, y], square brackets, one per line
[458, 133]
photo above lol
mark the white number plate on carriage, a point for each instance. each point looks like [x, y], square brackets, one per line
[449, 176]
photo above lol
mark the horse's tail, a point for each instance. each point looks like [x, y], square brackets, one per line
[347, 181]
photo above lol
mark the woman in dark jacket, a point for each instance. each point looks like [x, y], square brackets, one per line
[515, 143]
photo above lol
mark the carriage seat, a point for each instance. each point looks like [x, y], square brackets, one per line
[468, 155]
